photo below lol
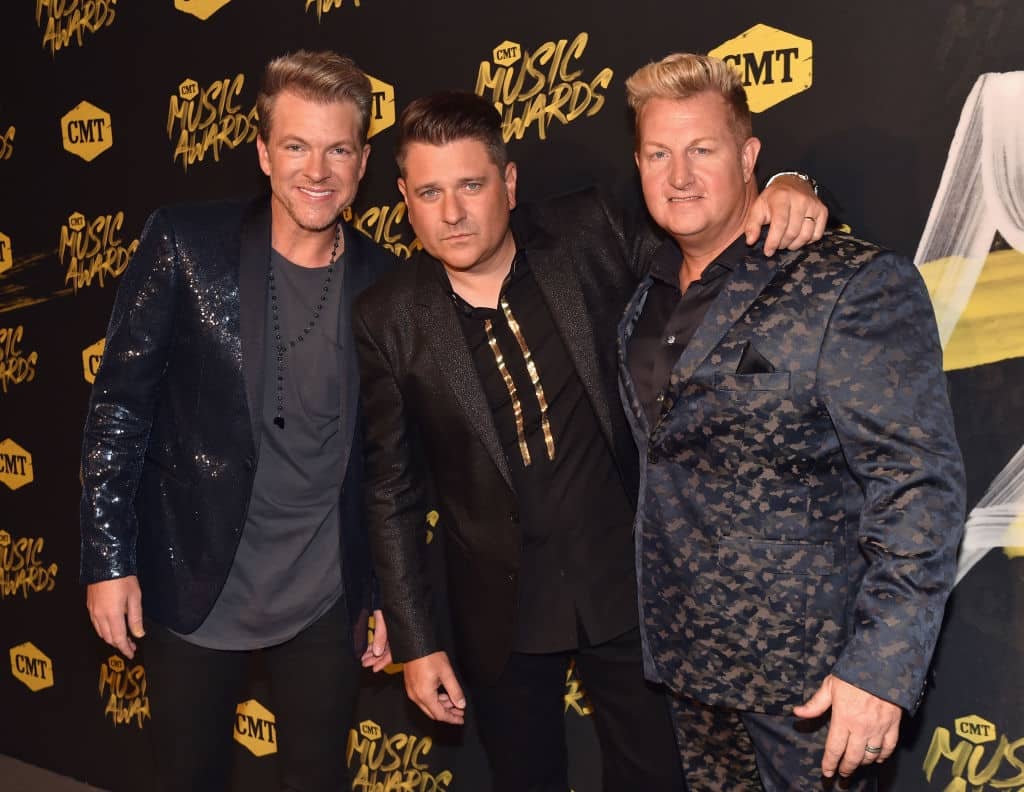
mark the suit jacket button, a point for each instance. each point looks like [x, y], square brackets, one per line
[511, 577]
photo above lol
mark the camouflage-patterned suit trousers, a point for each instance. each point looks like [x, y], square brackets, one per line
[727, 750]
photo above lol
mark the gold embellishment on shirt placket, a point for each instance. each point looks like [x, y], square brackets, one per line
[531, 367]
[517, 407]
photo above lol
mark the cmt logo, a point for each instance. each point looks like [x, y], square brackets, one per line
[204, 9]
[774, 64]
[15, 465]
[975, 729]
[91, 357]
[31, 667]
[976, 756]
[6, 257]
[87, 131]
[256, 728]
[189, 89]
[506, 53]
[382, 110]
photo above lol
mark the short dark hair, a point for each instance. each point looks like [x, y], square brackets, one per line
[317, 77]
[449, 116]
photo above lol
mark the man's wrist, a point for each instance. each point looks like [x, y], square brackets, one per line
[806, 177]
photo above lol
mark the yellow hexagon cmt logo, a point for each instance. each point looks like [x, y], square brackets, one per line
[382, 106]
[774, 64]
[975, 729]
[31, 667]
[87, 131]
[91, 357]
[76, 221]
[255, 728]
[189, 89]
[15, 465]
[116, 664]
[204, 9]
[370, 730]
[507, 53]
[6, 256]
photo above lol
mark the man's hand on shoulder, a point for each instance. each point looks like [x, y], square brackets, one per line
[863, 728]
[115, 609]
[793, 213]
[431, 684]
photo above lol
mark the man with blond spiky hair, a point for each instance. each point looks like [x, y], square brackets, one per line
[801, 488]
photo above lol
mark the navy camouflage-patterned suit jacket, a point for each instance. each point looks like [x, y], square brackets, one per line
[799, 516]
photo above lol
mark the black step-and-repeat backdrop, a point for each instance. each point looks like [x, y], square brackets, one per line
[912, 113]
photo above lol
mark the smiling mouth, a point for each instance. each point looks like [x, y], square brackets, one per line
[683, 198]
[315, 193]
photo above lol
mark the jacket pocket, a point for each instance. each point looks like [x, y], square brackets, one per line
[761, 381]
[764, 555]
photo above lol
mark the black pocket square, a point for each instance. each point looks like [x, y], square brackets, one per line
[753, 362]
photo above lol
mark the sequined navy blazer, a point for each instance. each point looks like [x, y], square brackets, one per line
[172, 434]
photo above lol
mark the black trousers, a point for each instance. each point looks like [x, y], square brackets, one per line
[521, 720]
[194, 691]
[726, 749]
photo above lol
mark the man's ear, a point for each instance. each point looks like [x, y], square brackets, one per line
[748, 157]
[401, 189]
[263, 154]
[511, 174]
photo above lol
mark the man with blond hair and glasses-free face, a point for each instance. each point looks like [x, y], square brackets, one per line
[489, 379]
[222, 463]
[801, 488]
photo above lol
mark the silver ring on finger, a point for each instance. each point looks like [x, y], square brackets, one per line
[873, 749]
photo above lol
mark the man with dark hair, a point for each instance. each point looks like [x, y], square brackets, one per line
[802, 492]
[489, 376]
[222, 461]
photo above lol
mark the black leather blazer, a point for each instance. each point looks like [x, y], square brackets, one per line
[171, 438]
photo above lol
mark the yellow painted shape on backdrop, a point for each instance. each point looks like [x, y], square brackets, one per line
[991, 327]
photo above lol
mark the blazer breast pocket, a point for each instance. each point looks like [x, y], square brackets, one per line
[761, 381]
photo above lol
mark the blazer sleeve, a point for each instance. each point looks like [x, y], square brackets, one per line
[121, 405]
[881, 375]
[396, 498]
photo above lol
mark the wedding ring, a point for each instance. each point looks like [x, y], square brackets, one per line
[873, 749]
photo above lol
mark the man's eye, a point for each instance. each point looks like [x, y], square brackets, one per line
[428, 195]
[473, 186]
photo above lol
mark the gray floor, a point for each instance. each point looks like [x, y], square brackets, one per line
[16, 776]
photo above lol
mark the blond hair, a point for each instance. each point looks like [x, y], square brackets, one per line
[321, 77]
[682, 75]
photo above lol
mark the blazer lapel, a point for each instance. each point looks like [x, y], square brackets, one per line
[561, 288]
[355, 275]
[254, 259]
[745, 285]
[453, 362]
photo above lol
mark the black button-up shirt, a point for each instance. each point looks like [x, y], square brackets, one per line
[670, 317]
[576, 578]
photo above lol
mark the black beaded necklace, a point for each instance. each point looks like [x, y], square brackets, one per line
[275, 317]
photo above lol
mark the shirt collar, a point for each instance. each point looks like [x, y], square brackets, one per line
[668, 258]
[519, 270]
